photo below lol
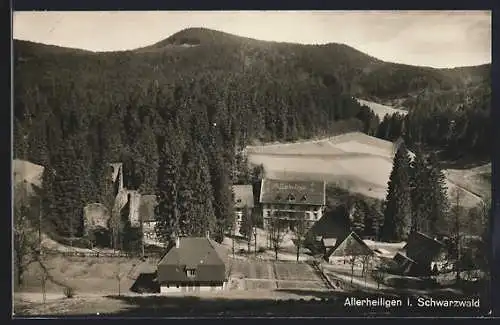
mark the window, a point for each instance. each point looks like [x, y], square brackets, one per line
[191, 273]
[315, 215]
[304, 197]
[238, 200]
[291, 197]
[269, 213]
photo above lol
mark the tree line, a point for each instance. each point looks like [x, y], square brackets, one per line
[178, 118]
[182, 142]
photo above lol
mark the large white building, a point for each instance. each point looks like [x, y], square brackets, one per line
[292, 201]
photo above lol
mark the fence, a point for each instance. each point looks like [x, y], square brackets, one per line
[99, 254]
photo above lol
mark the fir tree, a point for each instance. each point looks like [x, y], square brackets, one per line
[196, 194]
[357, 219]
[247, 224]
[67, 194]
[167, 212]
[146, 158]
[220, 182]
[398, 201]
[439, 204]
[421, 193]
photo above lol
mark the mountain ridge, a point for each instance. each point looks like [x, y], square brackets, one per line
[338, 65]
[186, 33]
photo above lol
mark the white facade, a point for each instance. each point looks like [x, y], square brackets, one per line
[311, 213]
[442, 266]
[164, 289]
[134, 203]
[148, 230]
[238, 222]
[346, 260]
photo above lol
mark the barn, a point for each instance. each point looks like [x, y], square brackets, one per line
[422, 251]
[350, 246]
[193, 265]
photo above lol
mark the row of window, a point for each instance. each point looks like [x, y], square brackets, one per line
[292, 207]
[312, 215]
[291, 197]
[195, 285]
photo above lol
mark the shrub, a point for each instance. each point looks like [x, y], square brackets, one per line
[69, 292]
[261, 250]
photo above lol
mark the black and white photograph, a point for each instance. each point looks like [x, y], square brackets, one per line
[218, 164]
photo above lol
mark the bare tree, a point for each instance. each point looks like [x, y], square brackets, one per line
[247, 225]
[366, 262]
[276, 234]
[300, 232]
[118, 276]
[108, 199]
[353, 259]
[25, 239]
[378, 275]
[254, 233]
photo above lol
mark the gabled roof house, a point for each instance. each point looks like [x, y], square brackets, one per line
[418, 254]
[194, 264]
[350, 245]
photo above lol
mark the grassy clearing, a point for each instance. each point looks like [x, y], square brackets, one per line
[353, 161]
[476, 180]
[26, 171]
[381, 110]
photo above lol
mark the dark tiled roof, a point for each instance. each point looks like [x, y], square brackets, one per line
[193, 251]
[402, 263]
[402, 259]
[147, 208]
[333, 224]
[421, 247]
[350, 245]
[204, 255]
[292, 192]
[243, 196]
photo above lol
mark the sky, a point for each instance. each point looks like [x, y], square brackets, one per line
[440, 39]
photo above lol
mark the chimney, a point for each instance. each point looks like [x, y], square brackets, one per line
[177, 242]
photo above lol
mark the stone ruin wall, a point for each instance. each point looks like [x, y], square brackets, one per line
[95, 215]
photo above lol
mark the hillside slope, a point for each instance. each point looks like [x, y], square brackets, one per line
[336, 64]
[192, 101]
[354, 161]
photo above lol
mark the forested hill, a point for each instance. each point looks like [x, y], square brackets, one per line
[188, 103]
[334, 64]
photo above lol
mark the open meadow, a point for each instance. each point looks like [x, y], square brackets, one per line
[381, 110]
[353, 161]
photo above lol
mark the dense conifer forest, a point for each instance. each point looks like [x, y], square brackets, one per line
[178, 114]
